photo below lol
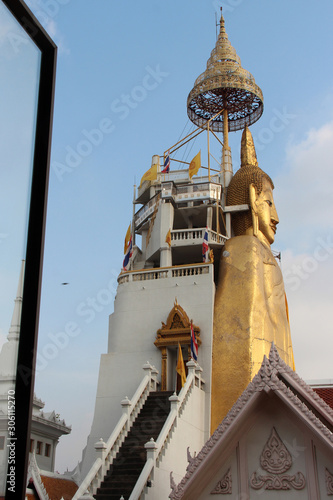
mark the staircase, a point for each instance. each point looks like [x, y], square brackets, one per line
[131, 457]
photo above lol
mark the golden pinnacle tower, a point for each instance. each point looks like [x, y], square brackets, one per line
[225, 96]
[250, 308]
[226, 86]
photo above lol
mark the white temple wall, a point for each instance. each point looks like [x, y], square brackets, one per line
[140, 307]
[255, 462]
[291, 436]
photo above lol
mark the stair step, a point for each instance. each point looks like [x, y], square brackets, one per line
[131, 457]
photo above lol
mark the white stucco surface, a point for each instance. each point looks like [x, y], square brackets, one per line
[139, 309]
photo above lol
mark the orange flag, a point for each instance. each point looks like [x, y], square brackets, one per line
[195, 165]
[168, 238]
[180, 366]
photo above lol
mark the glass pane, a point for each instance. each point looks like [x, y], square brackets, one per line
[19, 83]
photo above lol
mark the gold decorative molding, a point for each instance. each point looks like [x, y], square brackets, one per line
[177, 330]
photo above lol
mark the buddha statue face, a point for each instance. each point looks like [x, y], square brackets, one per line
[253, 187]
[264, 211]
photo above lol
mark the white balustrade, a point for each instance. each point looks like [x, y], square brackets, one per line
[162, 273]
[147, 210]
[106, 452]
[156, 448]
[179, 193]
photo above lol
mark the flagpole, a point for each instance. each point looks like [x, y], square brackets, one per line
[208, 148]
[133, 221]
[191, 323]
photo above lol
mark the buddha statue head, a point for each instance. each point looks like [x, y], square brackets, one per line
[252, 186]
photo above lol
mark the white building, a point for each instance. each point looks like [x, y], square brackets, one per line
[46, 428]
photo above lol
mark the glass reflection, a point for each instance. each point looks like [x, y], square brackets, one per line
[19, 83]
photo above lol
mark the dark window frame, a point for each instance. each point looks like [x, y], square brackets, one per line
[32, 445]
[39, 447]
[26, 360]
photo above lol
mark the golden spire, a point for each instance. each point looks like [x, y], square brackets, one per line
[225, 85]
[248, 151]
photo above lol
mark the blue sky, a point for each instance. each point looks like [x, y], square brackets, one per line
[123, 75]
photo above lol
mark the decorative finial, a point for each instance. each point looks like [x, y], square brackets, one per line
[224, 85]
[248, 151]
[222, 26]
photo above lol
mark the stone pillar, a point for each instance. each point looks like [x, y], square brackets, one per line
[151, 448]
[209, 222]
[191, 366]
[100, 448]
[126, 407]
[227, 166]
[147, 368]
[166, 257]
[154, 374]
[174, 400]
[228, 223]
[55, 442]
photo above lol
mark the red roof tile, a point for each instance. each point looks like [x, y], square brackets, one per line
[31, 496]
[58, 488]
[326, 393]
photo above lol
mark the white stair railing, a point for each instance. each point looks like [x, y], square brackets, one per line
[106, 452]
[156, 448]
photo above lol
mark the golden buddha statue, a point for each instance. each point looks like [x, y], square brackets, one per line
[250, 310]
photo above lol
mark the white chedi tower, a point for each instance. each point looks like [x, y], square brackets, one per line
[167, 284]
[46, 428]
[8, 360]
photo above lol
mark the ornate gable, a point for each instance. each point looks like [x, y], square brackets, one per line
[275, 386]
[177, 329]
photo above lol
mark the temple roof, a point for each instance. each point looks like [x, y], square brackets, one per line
[276, 377]
[50, 485]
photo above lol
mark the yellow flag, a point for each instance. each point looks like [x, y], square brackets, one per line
[181, 366]
[150, 175]
[195, 165]
[127, 238]
[168, 238]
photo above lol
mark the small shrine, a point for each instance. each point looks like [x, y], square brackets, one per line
[177, 330]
